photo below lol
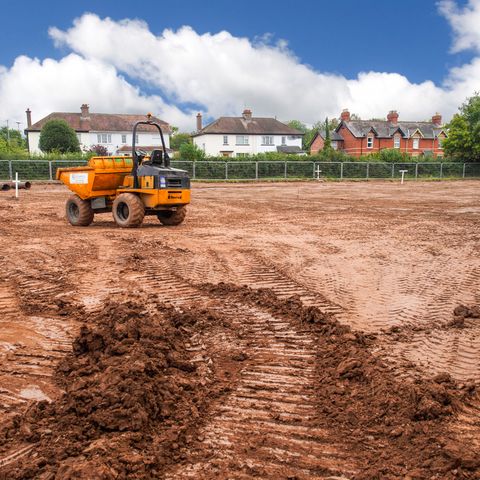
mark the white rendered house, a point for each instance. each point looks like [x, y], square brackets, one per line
[113, 131]
[246, 135]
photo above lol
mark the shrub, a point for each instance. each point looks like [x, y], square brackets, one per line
[57, 135]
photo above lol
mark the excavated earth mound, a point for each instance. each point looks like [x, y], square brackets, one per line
[133, 394]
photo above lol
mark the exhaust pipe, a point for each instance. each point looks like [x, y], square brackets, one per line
[21, 186]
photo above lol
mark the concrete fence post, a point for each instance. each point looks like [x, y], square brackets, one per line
[441, 170]
[368, 171]
[193, 170]
[463, 174]
[226, 170]
[393, 170]
[341, 171]
[285, 169]
[50, 170]
[256, 170]
[10, 170]
[416, 171]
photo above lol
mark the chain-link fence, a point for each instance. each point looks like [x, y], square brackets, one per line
[264, 170]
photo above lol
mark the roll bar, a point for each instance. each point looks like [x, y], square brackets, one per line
[166, 158]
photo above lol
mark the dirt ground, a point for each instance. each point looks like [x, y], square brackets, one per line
[353, 360]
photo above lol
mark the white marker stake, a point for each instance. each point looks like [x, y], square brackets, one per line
[16, 184]
[318, 172]
[403, 172]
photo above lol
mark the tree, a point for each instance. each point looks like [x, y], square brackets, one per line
[98, 150]
[463, 141]
[57, 135]
[189, 151]
[177, 140]
[327, 143]
[12, 137]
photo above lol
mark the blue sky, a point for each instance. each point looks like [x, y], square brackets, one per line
[411, 39]
[342, 37]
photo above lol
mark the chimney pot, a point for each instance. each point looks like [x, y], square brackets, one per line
[345, 115]
[392, 117]
[29, 118]
[437, 119]
[247, 114]
[199, 121]
[85, 110]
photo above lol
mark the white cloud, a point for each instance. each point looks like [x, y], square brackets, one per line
[220, 73]
[465, 23]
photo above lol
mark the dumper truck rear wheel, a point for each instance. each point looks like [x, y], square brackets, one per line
[172, 218]
[128, 210]
[79, 212]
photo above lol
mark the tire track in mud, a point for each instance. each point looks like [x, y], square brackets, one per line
[265, 428]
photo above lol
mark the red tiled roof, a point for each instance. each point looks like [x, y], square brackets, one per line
[148, 148]
[101, 122]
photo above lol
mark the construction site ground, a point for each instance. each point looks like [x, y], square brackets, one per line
[141, 353]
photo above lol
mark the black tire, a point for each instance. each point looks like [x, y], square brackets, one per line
[79, 212]
[172, 217]
[128, 210]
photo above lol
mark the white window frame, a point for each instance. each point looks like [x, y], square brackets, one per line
[396, 141]
[370, 140]
[104, 138]
[242, 140]
[267, 140]
[416, 143]
[284, 141]
[225, 139]
[124, 138]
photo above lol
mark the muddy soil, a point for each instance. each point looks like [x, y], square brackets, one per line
[357, 358]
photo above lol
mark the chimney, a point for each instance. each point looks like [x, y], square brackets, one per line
[85, 112]
[392, 117]
[437, 119]
[247, 114]
[345, 115]
[29, 118]
[199, 121]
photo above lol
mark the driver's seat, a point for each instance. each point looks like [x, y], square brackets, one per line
[156, 157]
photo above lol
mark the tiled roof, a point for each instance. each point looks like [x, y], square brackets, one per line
[289, 149]
[334, 135]
[101, 122]
[252, 126]
[385, 129]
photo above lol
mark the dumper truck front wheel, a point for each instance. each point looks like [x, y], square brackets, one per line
[79, 212]
[172, 218]
[128, 210]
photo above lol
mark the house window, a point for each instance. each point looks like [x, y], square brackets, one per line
[334, 145]
[242, 139]
[104, 138]
[369, 142]
[396, 141]
[267, 140]
[124, 139]
[284, 140]
[416, 143]
[225, 139]
[440, 143]
[136, 138]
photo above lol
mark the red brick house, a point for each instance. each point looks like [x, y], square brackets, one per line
[363, 137]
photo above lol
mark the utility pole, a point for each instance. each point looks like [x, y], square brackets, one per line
[18, 126]
[8, 134]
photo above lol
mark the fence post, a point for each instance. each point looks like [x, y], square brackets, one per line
[10, 170]
[393, 170]
[256, 170]
[368, 170]
[463, 175]
[416, 171]
[193, 170]
[341, 171]
[226, 170]
[441, 170]
[285, 169]
[50, 170]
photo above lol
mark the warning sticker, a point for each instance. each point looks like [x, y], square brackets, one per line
[79, 178]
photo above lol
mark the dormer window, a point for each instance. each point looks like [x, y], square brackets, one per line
[370, 142]
[396, 141]
[416, 143]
